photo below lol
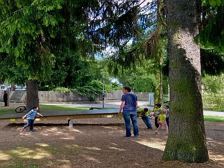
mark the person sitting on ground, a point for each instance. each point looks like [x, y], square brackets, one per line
[162, 122]
[157, 110]
[144, 113]
[31, 116]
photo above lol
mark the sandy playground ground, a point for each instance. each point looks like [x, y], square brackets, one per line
[96, 143]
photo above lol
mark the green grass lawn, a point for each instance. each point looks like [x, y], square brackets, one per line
[217, 109]
[61, 108]
[4, 110]
[64, 108]
[47, 108]
[214, 118]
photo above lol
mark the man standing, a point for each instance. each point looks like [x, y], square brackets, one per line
[5, 98]
[129, 108]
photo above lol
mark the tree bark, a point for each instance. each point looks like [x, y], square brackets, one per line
[186, 141]
[159, 88]
[160, 53]
[32, 94]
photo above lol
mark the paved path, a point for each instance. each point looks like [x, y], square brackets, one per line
[115, 104]
[213, 113]
[108, 105]
[111, 104]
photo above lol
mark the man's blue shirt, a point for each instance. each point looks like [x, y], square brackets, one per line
[130, 102]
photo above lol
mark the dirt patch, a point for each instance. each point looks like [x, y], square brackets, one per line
[95, 146]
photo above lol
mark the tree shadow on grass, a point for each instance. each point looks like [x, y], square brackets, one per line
[22, 157]
[70, 156]
[90, 146]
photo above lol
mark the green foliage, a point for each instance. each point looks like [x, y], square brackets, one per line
[213, 92]
[214, 3]
[92, 91]
[76, 72]
[117, 22]
[25, 27]
[62, 90]
[37, 34]
[48, 40]
[212, 34]
[8, 68]
[212, 63]
[70, 71]
[148, 45]
[140, 78]
[214, 102]
[213, 84]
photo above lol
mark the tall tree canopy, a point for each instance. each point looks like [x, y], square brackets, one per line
[211, 36]
[36, 33]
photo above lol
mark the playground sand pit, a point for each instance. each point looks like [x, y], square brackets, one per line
[88, 145]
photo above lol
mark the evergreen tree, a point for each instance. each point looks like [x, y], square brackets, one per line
[186, 140]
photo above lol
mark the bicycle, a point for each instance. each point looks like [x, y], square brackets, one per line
[20, 109]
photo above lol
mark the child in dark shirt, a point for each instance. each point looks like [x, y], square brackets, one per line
[145, 118]
[157, 110]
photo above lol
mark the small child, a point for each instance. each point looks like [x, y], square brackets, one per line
[146, 118]
[31, 116]
[157, 110]
[162, 122]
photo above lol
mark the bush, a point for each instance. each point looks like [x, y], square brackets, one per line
[92, 91]
[214, 102]
[62, 90]
[213, 91]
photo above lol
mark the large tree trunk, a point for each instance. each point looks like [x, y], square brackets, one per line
[186, 141]
[32, 94]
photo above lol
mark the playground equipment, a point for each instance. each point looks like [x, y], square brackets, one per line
[62, 115]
